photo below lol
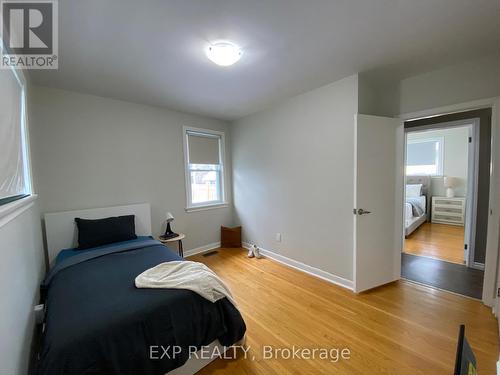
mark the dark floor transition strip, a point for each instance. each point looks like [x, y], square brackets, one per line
[444, 275]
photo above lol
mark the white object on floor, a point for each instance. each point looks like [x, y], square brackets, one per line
[250, 252]
[256, 251]
[184, 274]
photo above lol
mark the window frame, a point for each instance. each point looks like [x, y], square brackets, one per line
[439, 155]
[25, 144]
[187, 171]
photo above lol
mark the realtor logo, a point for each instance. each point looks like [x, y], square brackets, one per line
[29, 34]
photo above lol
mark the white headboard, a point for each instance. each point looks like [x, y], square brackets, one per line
[61, 231]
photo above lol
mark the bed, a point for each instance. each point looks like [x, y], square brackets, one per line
[98, 322]
[417, 207]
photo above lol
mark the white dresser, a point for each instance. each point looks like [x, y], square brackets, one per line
[448, 210]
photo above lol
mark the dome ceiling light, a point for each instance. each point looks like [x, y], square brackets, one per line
[224, 53]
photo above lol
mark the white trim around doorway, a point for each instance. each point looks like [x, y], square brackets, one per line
[491, 262]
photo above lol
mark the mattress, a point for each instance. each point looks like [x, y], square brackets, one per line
[413, 222]
[409, 211]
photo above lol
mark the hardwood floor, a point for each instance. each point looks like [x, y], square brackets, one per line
[439, 241]
[400, 328]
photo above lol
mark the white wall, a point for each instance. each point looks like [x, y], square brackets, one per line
[475, 79]
[378, 95]
[21, 268]
[90, 151]
[455, 161]
[293, 174]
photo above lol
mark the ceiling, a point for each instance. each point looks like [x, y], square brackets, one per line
[153, 51]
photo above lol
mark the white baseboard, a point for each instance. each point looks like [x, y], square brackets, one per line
[313, 271]
[478, 266]
[201, 249]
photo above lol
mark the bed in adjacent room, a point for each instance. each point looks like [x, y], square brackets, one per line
[417, 202]
[98, 322]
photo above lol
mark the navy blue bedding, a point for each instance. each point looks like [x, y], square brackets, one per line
[99, 323]
[67, 253]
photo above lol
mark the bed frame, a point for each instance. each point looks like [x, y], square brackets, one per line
[426, 190]
[61, 232]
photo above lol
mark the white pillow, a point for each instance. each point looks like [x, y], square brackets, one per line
[413, 190]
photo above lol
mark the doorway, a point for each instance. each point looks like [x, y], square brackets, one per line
[447, 188]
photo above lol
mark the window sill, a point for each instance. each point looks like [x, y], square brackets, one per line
[425, 175]
[10, 211]
[207, 207]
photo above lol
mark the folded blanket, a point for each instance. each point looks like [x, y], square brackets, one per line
[185, 275]
[416, 206]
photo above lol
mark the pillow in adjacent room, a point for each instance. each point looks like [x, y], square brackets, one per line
[413, 190]
[93, 233]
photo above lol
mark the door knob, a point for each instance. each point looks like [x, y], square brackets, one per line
[363, 212]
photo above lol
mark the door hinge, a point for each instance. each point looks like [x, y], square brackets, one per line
[470, 139]
[498, 292]
[465, 247]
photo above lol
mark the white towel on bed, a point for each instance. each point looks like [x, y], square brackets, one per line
[185, 275]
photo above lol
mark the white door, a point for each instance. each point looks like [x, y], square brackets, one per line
[378, 218]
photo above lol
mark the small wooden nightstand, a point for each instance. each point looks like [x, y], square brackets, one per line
[177, 239]
[448, 210]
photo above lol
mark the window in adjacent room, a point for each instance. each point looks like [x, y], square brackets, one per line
[15, 179]
[424, 157]
[204, 159]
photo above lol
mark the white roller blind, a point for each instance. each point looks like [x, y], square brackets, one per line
[203, 149]
[12, 164]
[422, 153]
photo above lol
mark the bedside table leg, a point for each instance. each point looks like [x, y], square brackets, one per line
[181, 250]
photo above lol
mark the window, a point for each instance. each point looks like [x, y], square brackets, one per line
[204, 158]
[424, 157]
[15, 179]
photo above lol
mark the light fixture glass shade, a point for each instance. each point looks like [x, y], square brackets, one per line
[224, 53]
[170, 217]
